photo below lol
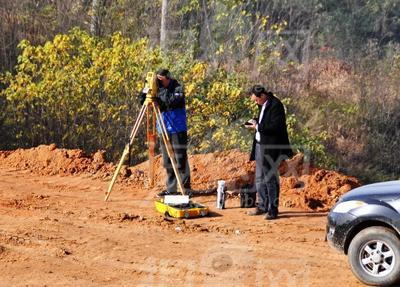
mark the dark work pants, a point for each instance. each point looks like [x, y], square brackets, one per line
[179, 145]
[267, 182]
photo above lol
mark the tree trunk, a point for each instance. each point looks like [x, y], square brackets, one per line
[163, 29]
[97, 17]
[208, 46]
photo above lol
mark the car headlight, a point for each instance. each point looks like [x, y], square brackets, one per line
[348, 205]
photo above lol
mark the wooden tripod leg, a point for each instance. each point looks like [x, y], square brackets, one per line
[126, 150]
[114, 178]
[137, 123]
[168, 146]
[151, 141]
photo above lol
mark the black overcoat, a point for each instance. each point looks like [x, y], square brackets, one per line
[273, 131]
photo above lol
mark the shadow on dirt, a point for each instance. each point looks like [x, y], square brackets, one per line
[289, 214]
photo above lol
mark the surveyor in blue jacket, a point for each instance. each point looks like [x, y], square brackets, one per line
[171, 99]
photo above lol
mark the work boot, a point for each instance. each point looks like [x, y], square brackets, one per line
[256, 211]
[271, 216]
[189, 192]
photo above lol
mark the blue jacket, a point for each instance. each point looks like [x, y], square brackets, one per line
[172, 106]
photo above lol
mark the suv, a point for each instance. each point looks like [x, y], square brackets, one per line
[365, 225]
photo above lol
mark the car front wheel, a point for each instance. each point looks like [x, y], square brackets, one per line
[374, 256]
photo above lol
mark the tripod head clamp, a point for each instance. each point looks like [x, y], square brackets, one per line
[151, 85]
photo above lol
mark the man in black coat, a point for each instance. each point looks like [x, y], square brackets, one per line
[270, 147]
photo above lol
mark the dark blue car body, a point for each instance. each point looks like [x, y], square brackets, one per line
[381, 208]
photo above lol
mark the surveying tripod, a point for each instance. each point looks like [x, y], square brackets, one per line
[152, 110]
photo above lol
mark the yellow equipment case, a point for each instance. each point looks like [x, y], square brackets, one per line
[189, 210]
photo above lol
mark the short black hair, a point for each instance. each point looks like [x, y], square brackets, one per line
[164, 72]
[258, 90]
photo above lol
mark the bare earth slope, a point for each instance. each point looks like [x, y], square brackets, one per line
[302, 185]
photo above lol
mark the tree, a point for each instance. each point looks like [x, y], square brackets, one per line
[98, 13]
[163, 29]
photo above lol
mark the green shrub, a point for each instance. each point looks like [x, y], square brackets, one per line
[81, 92]
[77, 91]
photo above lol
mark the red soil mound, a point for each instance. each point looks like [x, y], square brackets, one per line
[206, 169]
[302, 185]
[50, 160]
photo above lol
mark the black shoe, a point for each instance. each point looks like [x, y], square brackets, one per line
[271, 216]
[189, 192]
[166, 192]
[256, 211]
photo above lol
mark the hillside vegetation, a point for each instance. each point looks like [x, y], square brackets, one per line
[71, 72]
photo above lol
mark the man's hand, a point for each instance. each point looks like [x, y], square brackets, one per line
[145, 90]
[251, 124]
[143, 94]
[142, 98]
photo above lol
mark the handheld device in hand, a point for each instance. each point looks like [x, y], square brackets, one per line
[248, 124]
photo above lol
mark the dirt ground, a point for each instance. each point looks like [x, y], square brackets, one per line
[302, 185]
[56, 230]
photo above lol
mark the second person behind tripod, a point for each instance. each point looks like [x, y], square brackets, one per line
[171, 100]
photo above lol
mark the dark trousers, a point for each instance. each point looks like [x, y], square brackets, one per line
[179, 145]
[267, 182]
